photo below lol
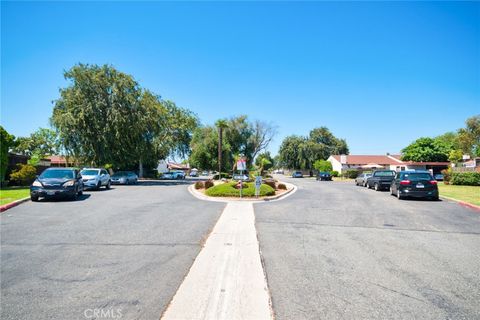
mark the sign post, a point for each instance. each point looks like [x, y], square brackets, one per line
[258, 184]
[241, 166]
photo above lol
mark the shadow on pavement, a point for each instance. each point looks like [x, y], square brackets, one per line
[64, 199]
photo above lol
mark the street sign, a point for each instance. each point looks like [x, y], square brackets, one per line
[241, 164]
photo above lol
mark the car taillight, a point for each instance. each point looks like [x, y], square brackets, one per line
[433, 182]
[405, 182]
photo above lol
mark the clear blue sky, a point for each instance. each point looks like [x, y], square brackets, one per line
[378, 74]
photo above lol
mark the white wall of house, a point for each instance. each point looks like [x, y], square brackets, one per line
[336, 165]
[162, 166]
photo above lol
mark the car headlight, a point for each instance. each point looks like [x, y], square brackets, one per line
[69, 183]
[37, 183]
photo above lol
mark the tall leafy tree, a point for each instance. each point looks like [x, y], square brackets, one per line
[7, 141]
[105, 117]
[42, 142]
[469, 137]
[426, 150]
[302, 152]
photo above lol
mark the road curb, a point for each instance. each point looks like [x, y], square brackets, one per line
[199, 195]
[15, 203]
[463, 203]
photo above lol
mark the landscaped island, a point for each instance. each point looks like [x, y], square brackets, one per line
[227, 188]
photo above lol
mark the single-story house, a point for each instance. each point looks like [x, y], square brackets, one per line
[342, 163]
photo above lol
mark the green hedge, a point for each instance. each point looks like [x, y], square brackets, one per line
[351, 173]
[229, 190]
[466, 178]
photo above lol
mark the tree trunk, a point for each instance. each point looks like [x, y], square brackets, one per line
[220, 138]
[140, 168]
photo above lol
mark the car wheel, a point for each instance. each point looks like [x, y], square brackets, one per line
[375, 186]
[80, 193]
[399, 196]
[74, 196]
[99, 185]
[365, 184]
[108, 185]
[34, 198]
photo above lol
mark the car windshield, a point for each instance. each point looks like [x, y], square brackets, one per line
[417, 176]
[384, 174]
[89, 172]
[119, 174]
[57, 174]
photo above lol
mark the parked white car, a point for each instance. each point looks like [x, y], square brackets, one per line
[95, 178]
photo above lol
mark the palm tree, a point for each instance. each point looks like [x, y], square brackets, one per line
[221, 124]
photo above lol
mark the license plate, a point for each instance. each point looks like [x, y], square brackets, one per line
[420, 186]
[50, 193]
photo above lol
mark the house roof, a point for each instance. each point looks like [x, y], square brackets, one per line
[365, 159]
[178, 166]
[57, 159]
[384, 160]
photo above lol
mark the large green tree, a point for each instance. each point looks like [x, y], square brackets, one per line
[469, 137]
[41, 143]
[427, 150]
[7, 141]
[301, 152]
[238, 136]
[105, 117]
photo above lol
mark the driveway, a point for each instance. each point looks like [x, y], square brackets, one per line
[123, 252]
[336, 251]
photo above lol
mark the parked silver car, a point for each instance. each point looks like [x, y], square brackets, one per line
[361, 180]
[175, 175]
[124, 177]
[95, 178]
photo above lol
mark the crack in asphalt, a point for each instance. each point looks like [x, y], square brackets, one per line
[366, 227]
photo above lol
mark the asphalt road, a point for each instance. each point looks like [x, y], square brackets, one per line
[336, 251]
[123, 252]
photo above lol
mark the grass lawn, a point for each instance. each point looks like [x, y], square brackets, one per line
[470, 194]
[8, 195]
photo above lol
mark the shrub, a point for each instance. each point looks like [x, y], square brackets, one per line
[282, 186]
[334, 173]
[270, 183]
[466, 178]
[447, 175]
[24, 174]
[351, 173]
[208, 184]
[229, 190]
[224, 175]
[199, 185]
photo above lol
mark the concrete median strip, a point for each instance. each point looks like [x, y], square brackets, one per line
[226, 280]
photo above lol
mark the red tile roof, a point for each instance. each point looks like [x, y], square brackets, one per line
[57, 159]
[365, 159]
[384, 160]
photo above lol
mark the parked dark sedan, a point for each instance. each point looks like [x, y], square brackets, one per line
[66, 182]
[418, 184]
[324, 176]
[124, 177]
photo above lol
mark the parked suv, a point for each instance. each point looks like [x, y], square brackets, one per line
[418, 184]
[381, 179]
[57, 182]
[95, 178]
